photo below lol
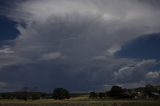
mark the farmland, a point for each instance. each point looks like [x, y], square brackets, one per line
[79, 101]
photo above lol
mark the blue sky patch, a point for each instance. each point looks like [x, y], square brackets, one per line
[8, 30]
[145, 47]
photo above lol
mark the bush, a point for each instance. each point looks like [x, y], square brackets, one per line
[61, 93]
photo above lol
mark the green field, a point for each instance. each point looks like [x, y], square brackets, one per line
[80, 101]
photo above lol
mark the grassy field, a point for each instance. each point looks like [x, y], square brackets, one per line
[80, 101]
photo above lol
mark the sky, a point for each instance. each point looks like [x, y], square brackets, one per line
[81, 45]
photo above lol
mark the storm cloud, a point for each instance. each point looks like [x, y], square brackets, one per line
[72, 43]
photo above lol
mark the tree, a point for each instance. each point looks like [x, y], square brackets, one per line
[116, 92]
[61, 93]
[149, 89]
[23, 94]
[102, 95]
[93, 95]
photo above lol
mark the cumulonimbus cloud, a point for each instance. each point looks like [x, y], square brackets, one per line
[82, 31]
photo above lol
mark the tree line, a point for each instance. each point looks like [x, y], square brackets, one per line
[25, 94]
[116, 92]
